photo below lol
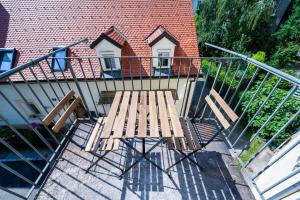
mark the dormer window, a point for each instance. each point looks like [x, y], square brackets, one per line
[108, 47]
[109, 62]
[163, 44]
[6, 59]
[58, 59]
[164, 60]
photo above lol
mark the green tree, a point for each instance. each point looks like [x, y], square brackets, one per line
[234, 24]
[287, 40]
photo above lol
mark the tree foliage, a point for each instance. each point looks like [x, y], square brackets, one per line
[287, 40]
[234, 24]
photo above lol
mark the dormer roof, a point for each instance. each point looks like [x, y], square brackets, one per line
[113, 35]
[159, 33]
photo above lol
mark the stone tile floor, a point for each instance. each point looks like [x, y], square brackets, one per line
[220, 178]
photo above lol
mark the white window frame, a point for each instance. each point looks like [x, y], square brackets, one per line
[169, 59]
[105, 54]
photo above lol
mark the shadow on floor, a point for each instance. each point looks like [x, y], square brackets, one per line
[220, 179]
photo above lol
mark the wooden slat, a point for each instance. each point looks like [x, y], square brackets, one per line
[177, 129]
[193, 134]
[118, 132]
[65, 115]
[92, 138]
[163, 116]
[116, 144]
[111, 116]
[187, 135]
[47, 120]
[217, 112]
[109, 144]
[142, 129]
[130, 129]
[98, 142]
[154, 131]
[231, 114]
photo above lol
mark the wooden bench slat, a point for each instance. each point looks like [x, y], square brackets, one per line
[217, 112]
[193, 134]
[116, 144]
[231, 114]
[97, 143]
[65, 115]
[94, 134]
[154, 131]
[177, 129]
[47, 120]
[131, 121]
[111, 116]
[142, 130]
[118, 132]
[163, 116]
[187, 134]
[109, 144]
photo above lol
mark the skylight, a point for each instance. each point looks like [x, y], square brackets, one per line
[58, 59]
[6, 59]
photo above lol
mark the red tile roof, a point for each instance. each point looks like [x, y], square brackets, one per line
[158, 34]
[34, 27]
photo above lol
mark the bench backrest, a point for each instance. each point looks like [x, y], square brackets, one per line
[74, 105]
[224, 106]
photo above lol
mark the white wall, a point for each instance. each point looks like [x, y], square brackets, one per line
[281, 169]
[13, 117]
[163, 44]
[105, 47]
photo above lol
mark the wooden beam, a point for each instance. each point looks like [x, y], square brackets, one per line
[131, 121]
[217, 112]
[142, 129]
[118, 132]
[111, 116]
[66, 114]
[177, 129]
[94, 134]
[163, 115]
[154, 131]
[47, 120]
[231, 114]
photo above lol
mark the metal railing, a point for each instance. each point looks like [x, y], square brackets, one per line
[236, 78]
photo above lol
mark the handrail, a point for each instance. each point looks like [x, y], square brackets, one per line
[266, 67]
[32, 62]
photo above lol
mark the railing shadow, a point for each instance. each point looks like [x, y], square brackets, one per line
[214, 182]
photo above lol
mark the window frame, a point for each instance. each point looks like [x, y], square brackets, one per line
[159, 58]
[111, 55]
[8, 50]
[53, 60]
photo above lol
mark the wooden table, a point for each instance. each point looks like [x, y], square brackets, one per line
[141, 115]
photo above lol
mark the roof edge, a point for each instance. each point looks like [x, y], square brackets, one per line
[168, 36]
[102, 37]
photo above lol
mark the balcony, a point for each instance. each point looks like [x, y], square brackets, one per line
[239, 164]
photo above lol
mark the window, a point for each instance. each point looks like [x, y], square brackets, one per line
[164, 60]
[6, 59]
[58, 59]
[33, 108]
[109, 61]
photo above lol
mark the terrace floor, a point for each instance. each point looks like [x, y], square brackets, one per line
[220, 179]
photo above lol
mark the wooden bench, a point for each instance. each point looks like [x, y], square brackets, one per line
[192, 140]
[95, 142]
[73, 104]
